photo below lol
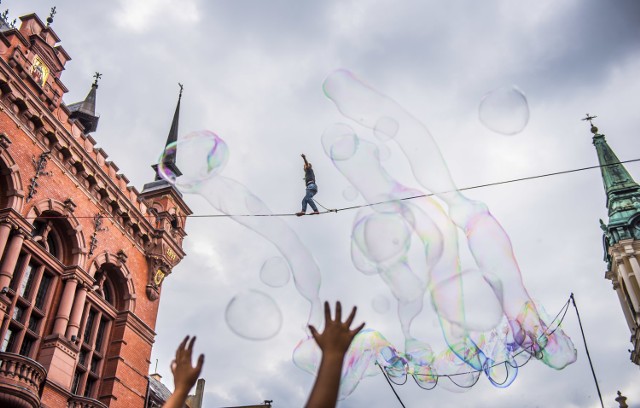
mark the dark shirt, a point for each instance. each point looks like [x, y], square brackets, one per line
[309, 176]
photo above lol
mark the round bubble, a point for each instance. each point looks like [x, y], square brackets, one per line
[380, 304]
[199, 156]
[254, 315]
[386, 128]
[275, 272]
[350, 193]
[340, 141]
[504, 110]
[382, 237]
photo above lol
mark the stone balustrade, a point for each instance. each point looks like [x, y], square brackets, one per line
[77, 401]
[21, 380]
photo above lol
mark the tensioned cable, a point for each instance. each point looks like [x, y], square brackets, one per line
[573, 300]
[354, 207]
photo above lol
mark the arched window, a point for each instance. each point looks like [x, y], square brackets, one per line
[47, 233]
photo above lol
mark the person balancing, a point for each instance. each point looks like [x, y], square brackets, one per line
[312, 188]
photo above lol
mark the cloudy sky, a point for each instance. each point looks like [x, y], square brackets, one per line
[253, 73]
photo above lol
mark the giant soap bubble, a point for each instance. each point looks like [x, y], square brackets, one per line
[489, 322]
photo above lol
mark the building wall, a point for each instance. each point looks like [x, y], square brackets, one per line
[106, 275]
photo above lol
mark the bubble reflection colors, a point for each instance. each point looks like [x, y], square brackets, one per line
[202, 156]
[470, 302]
[275, 272]
[254, 315]
[504, 110]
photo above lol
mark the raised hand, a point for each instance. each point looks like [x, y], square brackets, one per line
[334, 342]
[185, 374]
[337, 335]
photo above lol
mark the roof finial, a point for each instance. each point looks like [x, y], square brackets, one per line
[50, 18]
[590, 119]
[97, 76]
[181, 89]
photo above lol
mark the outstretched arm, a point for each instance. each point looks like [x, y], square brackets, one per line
[334, 343]
[184, 374]
[306, 163]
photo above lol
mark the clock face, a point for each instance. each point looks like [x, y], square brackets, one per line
[158, 277]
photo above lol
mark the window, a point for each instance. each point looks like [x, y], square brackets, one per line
[107, 290]
[27, 281]
[88, 327]
[100, 335]
[41, 296]
[76, 382]
[96, 329]
[27, 345]
[32, 285]
[9, 339]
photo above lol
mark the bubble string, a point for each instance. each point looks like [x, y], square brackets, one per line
[201, 176]
[487, 241]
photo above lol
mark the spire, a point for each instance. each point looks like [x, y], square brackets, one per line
[85, 111]
[623, 193]
[169, 160]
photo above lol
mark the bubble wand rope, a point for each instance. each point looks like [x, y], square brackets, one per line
[390, 385]
[573, 300]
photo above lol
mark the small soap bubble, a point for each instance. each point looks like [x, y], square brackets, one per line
[504, 110]
[350, 193]
[386, 128]
[275, 272]
[340, 141]
[253, 315]
[380, 304]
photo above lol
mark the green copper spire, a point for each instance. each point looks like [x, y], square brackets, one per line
[623, 193]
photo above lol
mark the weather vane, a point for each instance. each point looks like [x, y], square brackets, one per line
[50, 18]
[589, 118]
[181, 89]
[97, 76]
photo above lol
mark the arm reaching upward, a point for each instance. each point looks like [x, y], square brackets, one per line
[184, 374]
[334, 342]
[306, 163]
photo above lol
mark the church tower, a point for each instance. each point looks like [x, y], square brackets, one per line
[621, 238]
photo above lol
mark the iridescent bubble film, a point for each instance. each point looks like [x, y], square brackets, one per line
[488, 321]
[504, 110]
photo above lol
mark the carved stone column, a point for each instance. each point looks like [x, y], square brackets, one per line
[76, 312]
[62, 318]
[11, 258]
[5, 230]
[627, 282]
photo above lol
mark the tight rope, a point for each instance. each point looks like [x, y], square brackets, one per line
[354, 207]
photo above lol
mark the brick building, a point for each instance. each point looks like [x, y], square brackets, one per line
[83, 255]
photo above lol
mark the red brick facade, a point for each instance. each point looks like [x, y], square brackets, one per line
[82, 254]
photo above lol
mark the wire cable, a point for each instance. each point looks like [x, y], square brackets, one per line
[390, 385]
[573, 300]
[354, 207]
